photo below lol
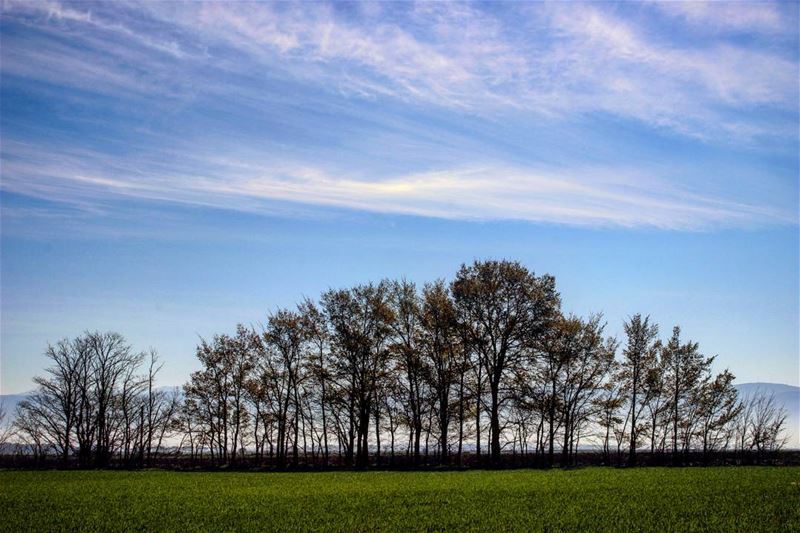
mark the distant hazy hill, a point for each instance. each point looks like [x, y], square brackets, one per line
[786, 395]
[10, 401]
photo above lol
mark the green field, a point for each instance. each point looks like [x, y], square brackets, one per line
[646, 499]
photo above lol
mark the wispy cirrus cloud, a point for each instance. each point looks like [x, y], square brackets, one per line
[745, 17]
[580, 59]
[579, 196]
[454, 90]
[584, 60]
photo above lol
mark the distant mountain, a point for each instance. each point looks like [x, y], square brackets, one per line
[786, 395]
[9, 402]
[774, 388]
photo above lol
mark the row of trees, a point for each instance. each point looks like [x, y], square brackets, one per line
[96, 403]
[486, 366]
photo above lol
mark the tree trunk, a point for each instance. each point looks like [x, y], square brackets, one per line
[495, 423]
[632, 454]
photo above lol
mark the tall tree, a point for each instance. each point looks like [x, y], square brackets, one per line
[441, 350]
[555, 348]
[638, 357]
[285, 339]
[718, 407]
[589, 359]
[318, 337]
[406, 308]
[360, 320]
[506, 309]
[657, 400]
[685, 369]
[219, 390]
[110, 357]
[51, 413]
[76, 407]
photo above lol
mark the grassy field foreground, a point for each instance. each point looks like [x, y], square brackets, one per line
[742, 499]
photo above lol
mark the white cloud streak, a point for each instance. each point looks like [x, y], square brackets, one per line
[722, 16]
[578, 196]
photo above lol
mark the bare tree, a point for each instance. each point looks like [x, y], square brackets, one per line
[85, 402]
[657, 401]
[6, 427]
[763, 425]
[50, 415]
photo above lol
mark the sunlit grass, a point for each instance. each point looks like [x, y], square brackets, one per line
[742, 499]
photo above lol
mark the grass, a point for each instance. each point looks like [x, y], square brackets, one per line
[595, 499]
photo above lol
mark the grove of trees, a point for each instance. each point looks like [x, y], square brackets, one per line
[483, 371]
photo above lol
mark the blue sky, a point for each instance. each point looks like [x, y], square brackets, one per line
[171, 169]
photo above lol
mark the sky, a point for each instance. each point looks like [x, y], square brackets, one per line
[170, 169]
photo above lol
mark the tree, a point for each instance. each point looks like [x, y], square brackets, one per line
[318, 338]
[285, 339]
[718, 407]
[50, 415]
[685, 371]
[110, 357]
[553, 352]
[360, 320]
[161, 410]
[608, 403]
[6, 428]
[588, 360]
[638, 357]
[441, 351]
[657, 400]
[405, 304]
[219, 390]
[761, 424]
[81, 404]
[506, 310]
